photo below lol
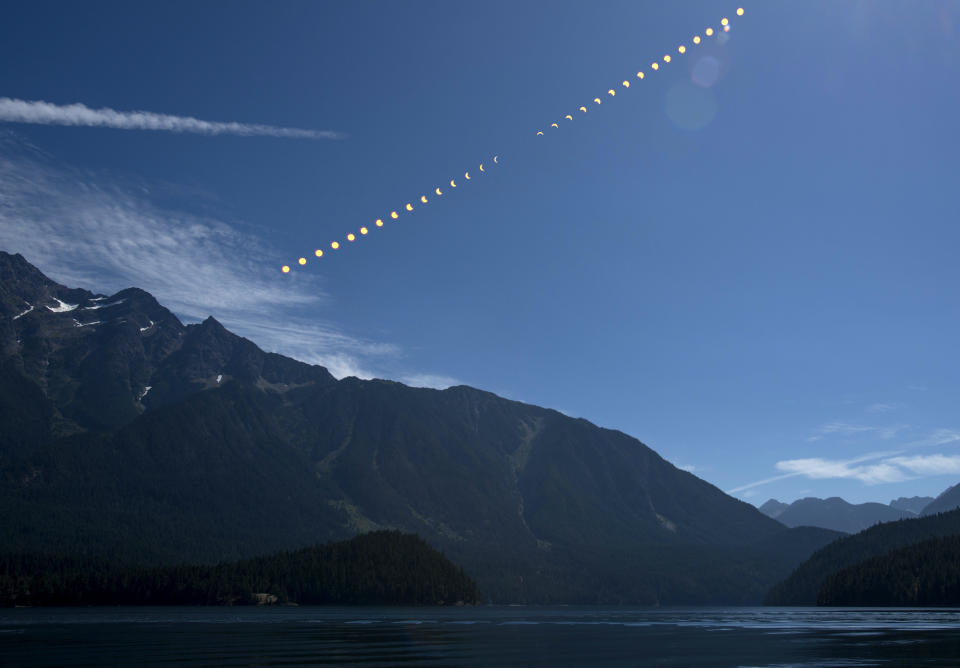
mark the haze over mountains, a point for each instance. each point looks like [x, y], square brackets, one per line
[129, 435]
[839, 515]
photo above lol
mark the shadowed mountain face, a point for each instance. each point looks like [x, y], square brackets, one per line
[947, 501]
[129, 435]
[833, 513]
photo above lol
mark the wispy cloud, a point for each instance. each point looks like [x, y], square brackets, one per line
[818, 469]
[759, 483]
[928, 465]
[848, 429]
[874, 467]
[881, 408]
[47, 113]
[934, 438]
[83, 231]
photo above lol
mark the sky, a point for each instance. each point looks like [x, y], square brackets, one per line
[747, 260]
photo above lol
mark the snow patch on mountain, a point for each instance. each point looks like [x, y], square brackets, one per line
[62, 307]
[96, 306]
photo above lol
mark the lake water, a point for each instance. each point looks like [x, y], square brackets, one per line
[481, 636]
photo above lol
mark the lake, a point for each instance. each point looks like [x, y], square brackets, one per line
[480, 636]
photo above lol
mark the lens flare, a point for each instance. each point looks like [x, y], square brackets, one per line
[726, 28]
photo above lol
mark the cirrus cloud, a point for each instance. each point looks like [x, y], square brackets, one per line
[47, 113]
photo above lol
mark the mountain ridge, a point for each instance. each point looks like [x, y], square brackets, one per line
[137, 436]
[833, 513]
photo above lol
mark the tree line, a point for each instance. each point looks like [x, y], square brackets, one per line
[379, 568]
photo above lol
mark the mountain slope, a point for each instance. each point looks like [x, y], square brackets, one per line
[945, 502]
[773, 508]
[839, 515]
[915, 504]
[804, 583]
[927, 573]
[137, 438]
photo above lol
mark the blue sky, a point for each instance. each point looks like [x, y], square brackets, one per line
[746, 260]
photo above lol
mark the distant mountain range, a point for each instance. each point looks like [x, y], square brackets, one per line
[833, 513]
[915, 504]
[839, 515]
[125, 434]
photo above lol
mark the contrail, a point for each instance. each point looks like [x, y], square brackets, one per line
[45, 113]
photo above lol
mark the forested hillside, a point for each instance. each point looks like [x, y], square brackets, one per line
[381, 568]
[927, 573]
[803, 585]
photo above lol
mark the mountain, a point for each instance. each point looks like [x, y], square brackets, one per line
[836, 514]
[380, 568]
[927, 573]
[773, 508]
[803, 585]
[130, 436]
[914, 504]
[946, 502]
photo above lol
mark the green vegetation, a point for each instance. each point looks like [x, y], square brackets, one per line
[803, 585]
[927, 573]
[380, 568]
